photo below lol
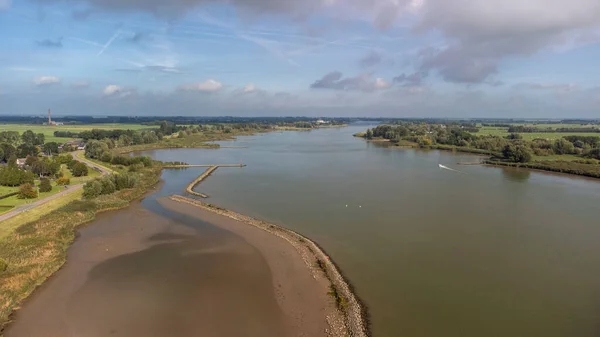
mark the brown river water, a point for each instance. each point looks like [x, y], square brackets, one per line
[432, 252]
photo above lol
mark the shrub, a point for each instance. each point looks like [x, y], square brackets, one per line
[45, 185]
[92, 189]
[106, 157]
[27, 191]
[63, 181]
[126, 180]
[136, 167]
[108, 185]
[64, 158]
[79, 170]
[3, 265]
[120, 160]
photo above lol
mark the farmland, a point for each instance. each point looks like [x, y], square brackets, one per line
[503, 132]
[48, 131]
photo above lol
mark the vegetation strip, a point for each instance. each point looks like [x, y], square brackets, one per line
[354, 312]
[37, 249]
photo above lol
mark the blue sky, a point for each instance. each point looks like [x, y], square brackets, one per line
[400, 58]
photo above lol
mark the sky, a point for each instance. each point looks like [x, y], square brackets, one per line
[375, 58]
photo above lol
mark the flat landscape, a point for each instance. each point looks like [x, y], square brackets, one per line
[48, 131]
[503, 131]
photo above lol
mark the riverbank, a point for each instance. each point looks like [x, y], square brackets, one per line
[354, 318]
[554, 166]
[35, 250]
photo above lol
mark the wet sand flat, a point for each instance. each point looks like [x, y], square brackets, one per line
[136, 273]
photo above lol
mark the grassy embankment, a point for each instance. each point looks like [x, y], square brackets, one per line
[48, 131]
[36, 249]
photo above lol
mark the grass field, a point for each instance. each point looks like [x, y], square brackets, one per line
[79, 180]
[48, 131]
[7, 226]
[15, 201]
[7, 189]
[503, 132]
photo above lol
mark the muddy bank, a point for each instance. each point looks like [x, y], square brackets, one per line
[136, 273]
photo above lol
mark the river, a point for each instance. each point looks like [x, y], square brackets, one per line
[432, 252]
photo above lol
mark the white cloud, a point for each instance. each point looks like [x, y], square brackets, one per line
[111, 90]
[46, 80]
[250, 88]
[114, 90]
[206, 86]
[480, 34]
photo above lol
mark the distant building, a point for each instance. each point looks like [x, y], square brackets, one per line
[50, 121]
[320, 121]
[21, 162]
[78, 144]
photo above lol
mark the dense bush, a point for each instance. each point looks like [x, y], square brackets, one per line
[92, 189]
[12, 176]
[79, 170]
[45, 185]
[110, 184]
[64, 158]
[63, 181]
[27, 191]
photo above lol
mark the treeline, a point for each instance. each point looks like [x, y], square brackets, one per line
[110, 184]
[101, 150]
[511, 148]
[533, 129]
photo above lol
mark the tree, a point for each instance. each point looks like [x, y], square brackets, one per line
[64, 158]
[517, 153]
[92, 189]
[28, 137]
[27, 191]
[27, 149]
[563, 146]
[79, 170]
[39, 139]
[108, 185]
[7, 150]
[45, 185]
[41, 168]
[369, 134]
[50, 148]
[94, 149]
[12, 161]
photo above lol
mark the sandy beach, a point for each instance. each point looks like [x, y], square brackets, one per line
[190, 273]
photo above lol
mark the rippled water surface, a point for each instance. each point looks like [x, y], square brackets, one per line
[432, 252]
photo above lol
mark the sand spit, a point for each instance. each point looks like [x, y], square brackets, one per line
[349, 317]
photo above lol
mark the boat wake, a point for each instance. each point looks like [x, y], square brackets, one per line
[449, 169]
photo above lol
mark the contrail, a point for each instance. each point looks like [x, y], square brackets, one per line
[109, 42]
[447, 168]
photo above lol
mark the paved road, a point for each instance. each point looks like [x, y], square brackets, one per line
[20, 209]
[89, 163]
